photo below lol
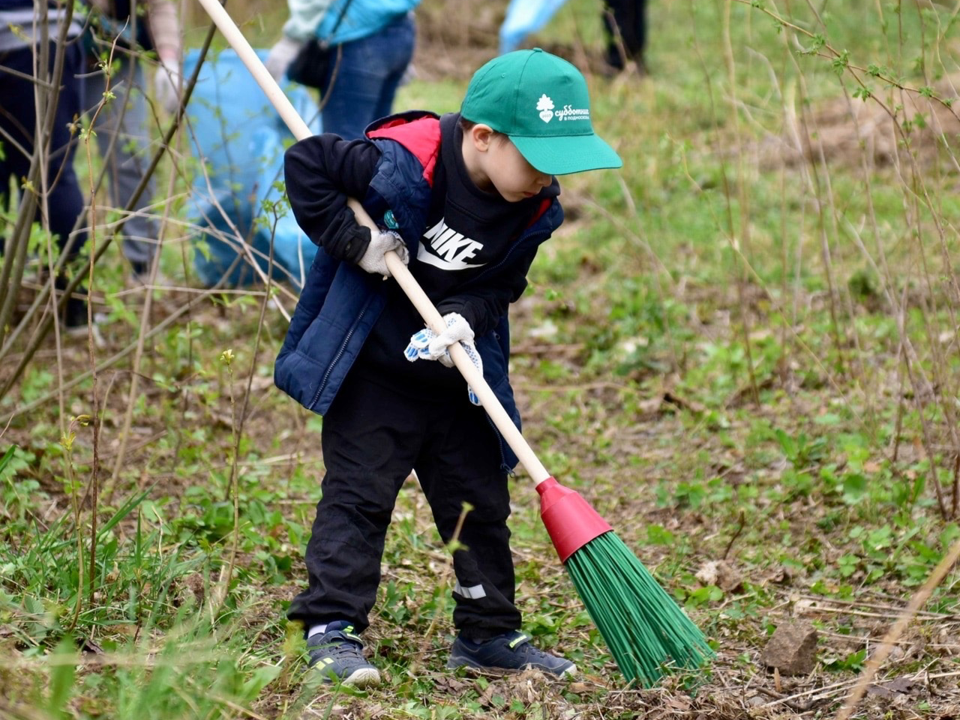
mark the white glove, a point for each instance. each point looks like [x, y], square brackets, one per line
[281, 55]
[373, 260]
[167, 84]
[428, 345]
[458, 330]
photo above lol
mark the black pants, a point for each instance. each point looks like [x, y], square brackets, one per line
[18, 118]
[628, 18]
[372, 436]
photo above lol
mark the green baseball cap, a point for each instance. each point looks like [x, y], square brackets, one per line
[541, 103]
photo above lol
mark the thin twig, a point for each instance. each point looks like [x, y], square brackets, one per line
[740, 525]
[886, 646]
[47, 321]
[113, 359]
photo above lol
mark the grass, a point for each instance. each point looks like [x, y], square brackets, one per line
[688, 356]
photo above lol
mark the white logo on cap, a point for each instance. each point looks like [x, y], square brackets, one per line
[572, 113]
[545, 106]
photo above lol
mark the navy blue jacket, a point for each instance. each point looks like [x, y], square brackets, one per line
[340, 302]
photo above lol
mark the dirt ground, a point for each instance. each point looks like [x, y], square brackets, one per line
[456, 37]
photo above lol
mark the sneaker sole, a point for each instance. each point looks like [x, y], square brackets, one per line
[364, 677]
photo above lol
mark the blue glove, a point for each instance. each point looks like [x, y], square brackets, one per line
[429, 345]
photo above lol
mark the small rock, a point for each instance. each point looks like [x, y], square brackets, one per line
[192, 587]
[730, 579]
[707, 574]
[881, 692]
[721, 574]
[792, 649]
[782, 575]
[903, 685]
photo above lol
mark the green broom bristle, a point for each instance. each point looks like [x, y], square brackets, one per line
[645, 629]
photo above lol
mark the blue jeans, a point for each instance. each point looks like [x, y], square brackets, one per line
[18, 118]
[366, 78]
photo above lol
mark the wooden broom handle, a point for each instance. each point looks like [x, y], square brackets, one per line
[471, 374]
[400, 272]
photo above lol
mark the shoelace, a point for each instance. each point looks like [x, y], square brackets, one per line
[341, 647]
[344, 650]
[529, 651]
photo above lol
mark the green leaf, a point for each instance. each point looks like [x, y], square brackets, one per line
[854, 487]
[659, 535]
[949, 536]
[880, 538]
[840, 63]
[261, 677]
[62, 672]
[787, 444]
[8, 455]
[852, 662]
[124, 510]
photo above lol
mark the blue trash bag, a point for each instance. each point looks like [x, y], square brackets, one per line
[239, 138]
[525, 17]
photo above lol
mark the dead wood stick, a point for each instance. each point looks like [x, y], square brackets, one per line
[862, 613]
[878, 606]
[916, 602]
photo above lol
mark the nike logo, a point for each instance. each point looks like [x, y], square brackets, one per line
[447, 249]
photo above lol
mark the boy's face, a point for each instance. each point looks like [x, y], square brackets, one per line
[494, 163]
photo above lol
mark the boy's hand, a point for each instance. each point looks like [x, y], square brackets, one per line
[166, 82]
[458, 330]
[281, 55]
[373, 260]
[428, 345]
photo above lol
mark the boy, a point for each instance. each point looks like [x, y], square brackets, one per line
[467, 198]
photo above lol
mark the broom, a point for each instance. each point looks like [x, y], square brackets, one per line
[647, 632]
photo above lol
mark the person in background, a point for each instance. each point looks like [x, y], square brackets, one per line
[19, 56]
[524, 17]
[124, 123]
[625, 22]
[372, 43]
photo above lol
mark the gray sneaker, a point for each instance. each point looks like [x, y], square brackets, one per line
[510, 652]
[338, 655]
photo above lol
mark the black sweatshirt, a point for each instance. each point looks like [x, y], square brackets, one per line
[467, 231]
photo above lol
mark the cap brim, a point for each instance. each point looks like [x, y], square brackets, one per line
[567, 154]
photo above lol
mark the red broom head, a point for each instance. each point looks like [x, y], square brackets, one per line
[569, 519]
